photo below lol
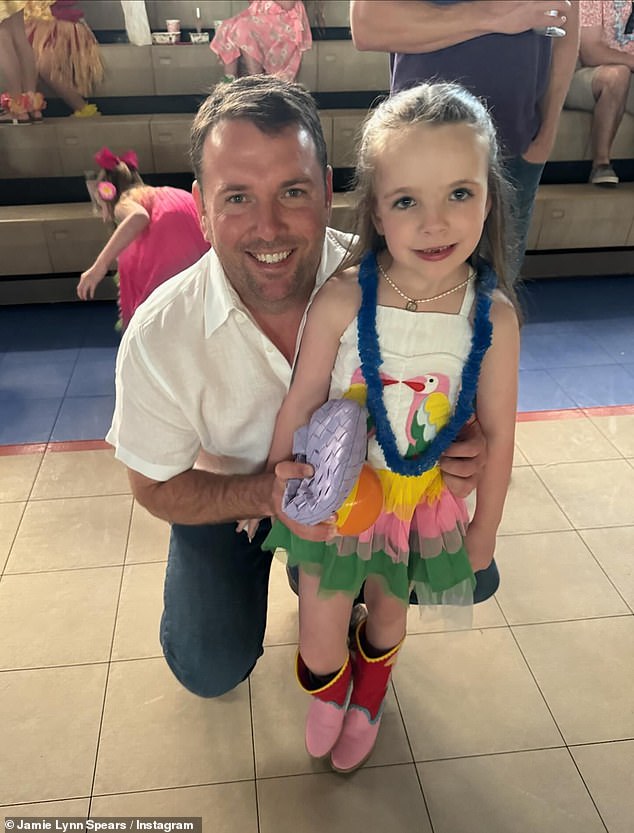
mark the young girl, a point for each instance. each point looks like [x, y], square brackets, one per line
[66, 52]
[269, 37]
[158, 232]
[407, 334]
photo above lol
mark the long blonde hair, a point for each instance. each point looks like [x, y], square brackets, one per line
[434, 104]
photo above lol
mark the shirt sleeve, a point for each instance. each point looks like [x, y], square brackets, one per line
[150, 432]
[591, 13]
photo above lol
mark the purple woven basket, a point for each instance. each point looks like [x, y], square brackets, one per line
[334, 443]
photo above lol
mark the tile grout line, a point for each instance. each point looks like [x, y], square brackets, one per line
[24, 508]
[411, 751]
[109, 663]
[604, 571]
[583, 781]
[541, 693]
[255, 765]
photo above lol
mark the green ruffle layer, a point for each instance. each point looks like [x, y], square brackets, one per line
[348, 572]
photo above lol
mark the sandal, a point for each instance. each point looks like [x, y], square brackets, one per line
[35, 103]
[14, 110]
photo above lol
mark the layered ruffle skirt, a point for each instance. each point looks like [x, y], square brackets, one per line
[417, 543]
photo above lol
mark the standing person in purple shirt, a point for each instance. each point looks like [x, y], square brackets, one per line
[497, 51]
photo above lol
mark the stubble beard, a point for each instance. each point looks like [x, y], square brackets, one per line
[299, 287]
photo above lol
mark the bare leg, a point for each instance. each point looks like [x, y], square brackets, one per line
[387, 617]
[323, 626]
[9, 60]
[24, 51]
[610, 85]
[232, 68]
[253, 67]
[68, 94]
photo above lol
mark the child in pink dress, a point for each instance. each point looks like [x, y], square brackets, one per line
[158, 233]
[269, 36]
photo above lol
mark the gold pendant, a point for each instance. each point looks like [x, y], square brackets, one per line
[411, 306]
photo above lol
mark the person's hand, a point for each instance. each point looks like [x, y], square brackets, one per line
[463, 461]
[538, 151]
[248, 525]
[514, 16]
[289, 470]
[89, 281]
[480, 544]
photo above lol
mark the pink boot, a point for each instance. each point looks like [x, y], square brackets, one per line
[363, 718]
[327, 709]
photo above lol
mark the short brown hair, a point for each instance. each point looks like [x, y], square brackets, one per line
[268, 102]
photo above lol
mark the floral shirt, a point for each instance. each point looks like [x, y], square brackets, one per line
[611, 16]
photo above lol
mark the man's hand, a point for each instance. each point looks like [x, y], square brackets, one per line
[463, 461]
[288, 470]
[514, 16]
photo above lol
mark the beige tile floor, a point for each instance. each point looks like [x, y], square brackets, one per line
[523, 723]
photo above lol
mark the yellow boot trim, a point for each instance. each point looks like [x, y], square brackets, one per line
[385, 658]
[328, 684]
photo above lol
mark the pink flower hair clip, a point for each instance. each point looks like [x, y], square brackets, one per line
[106, 191]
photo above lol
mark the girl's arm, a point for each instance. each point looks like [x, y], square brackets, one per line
[496, 411]
[134, 219]
[333, 309]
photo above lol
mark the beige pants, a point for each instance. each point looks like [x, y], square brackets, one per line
[580, 96]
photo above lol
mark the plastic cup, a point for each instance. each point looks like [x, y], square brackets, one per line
[173, 25]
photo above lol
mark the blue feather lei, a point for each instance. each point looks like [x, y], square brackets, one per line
[371, 361]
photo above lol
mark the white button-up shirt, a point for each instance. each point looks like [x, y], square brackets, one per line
[197, 382]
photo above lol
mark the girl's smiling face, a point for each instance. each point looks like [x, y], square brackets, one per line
[431, 200]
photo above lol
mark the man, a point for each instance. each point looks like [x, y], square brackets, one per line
[496, 50]
[207, 360]
[603, 85]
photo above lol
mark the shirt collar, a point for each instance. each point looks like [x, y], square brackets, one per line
[221, 298]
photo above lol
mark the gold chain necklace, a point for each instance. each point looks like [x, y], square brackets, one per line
[412, 303]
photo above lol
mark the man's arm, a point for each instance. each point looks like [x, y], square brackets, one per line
[562, 67]
[406, 26]
[200, 497]
[595, 52]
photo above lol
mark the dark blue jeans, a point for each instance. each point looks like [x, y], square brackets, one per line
[524, 176]
[215, 603]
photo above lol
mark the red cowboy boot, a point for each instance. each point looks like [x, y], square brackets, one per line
[363, 718]
[327, 709]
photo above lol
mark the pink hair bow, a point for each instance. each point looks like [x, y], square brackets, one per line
[130, 158]
[106, 159]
